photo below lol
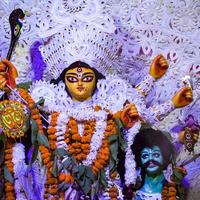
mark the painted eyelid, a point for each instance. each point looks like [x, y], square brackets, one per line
[90, 77]
[71, 77]
[156, 154]
[85, 76]
[145, 155]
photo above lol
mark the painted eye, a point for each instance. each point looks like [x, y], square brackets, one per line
[145, 156]
[156, 155]
[87, 78]
[71, 79]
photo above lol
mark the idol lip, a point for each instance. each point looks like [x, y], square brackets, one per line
[151, 165]
[80, 88]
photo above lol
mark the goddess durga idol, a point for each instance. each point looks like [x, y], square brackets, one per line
[76, 132]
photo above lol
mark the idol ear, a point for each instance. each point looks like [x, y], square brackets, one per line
[168, 172]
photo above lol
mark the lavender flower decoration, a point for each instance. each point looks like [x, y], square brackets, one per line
[192, 124]
[38, 65]
[189, 123]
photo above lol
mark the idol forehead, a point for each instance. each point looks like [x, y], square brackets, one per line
[79, 71]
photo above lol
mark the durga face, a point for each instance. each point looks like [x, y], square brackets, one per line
[80, 82]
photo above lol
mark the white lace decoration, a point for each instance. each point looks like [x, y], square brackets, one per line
[63, 13]
[163, 110]
[146, 85]
[130, 164]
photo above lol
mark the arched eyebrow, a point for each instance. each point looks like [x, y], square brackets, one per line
[88, 73]
[156, 150]
[84, 74]
[145, 151]
[67, 74]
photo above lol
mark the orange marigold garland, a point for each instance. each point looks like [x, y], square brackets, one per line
[9, 187]
[79, 146]
[66, 177]
[52, 182]
[169, 191]
[175, 187]
[52, 130]
[103, 154]
[113, 192]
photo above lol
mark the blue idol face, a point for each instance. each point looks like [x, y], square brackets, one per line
[152, 159]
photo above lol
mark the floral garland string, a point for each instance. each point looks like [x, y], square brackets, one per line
[9, 187]
[113, 193]
[79, 146]
[103, 154]
[90, 148]
[45, 153]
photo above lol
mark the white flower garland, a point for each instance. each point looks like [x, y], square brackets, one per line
[60, 130]
[96, 140]
[86, 114]
[18, 160]
[130, 165]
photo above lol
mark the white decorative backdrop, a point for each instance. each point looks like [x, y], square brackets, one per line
[117, 36]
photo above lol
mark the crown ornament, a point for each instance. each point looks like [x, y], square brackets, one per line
[87, 44]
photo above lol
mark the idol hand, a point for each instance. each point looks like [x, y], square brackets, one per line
[183, 97]
[194, 135]
[158, 67]
[129, 115]
[8, 73]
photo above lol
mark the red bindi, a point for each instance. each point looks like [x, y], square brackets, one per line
[79, 69]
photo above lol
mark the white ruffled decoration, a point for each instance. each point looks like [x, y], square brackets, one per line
[162, 110]
[130, 165]
[146, 85]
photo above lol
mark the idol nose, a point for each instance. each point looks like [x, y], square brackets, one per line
[150, 156]
[80, 82]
